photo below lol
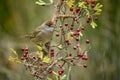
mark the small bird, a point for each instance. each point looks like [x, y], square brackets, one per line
[43, 34]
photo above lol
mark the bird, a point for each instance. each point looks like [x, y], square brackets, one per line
[42, 35]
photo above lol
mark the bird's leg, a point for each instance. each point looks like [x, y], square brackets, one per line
[47, 45]
[45, 50]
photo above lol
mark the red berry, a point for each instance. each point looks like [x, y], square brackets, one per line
[90, 1]
[87, 41]
[23, 49]
[92, 5]
[95, 11]
[71, 28]
[22, 58]
[84, 58]
[52, 54]
[59, 65]
[60, 72]
[26, 49]
[78, 45]
[26, 52]
[70, 54]
[74, 47]
[72, 25]
[34, 57]
[71, 34]
[57, 34]
[41, 64]
[66, 24]
[79, 55]
[88, 21]
[71, 60]
[71, 9]
[60, 26]
[77, 39]
[52, 50]
[78, 29]
[67, 41]
[50, 71]
[77, 10]
[75, 33]
[82, 28]
[88, 18]
[96, 18]
[25, 55]
[84, 65]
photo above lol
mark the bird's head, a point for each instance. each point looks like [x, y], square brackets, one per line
[49, 25]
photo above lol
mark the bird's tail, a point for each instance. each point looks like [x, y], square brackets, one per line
[26, 36]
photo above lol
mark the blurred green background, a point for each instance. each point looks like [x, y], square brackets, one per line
[18, 17]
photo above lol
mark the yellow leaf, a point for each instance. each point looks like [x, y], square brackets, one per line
[98, 6]
[12, 59]
[40, 2]
[39, 54]
[40, 48]
[55, 73]
[82, 5]
[80, 34]
[48, 78]
[69, 37]
[51, 1]
[87, 13]
[46, 59]
[70, 3]
[18, 61]
[63, 77]
[93, 24]
[15, 53]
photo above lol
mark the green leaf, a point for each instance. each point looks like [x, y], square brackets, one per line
[46, 59]
[93, 24]
[40, 2]
[15, 53]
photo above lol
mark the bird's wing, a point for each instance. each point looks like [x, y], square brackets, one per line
[38, 30]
